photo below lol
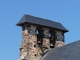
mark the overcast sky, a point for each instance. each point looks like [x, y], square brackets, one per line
[66, 12]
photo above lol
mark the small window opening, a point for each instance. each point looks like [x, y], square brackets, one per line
[37, 32]
[49, 35]
[35, 55]
[34, 45]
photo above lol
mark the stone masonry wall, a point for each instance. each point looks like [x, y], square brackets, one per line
[46, 40]
[59, 39]
[28, 51]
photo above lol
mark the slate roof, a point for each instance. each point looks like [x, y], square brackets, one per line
[40, 21]
[68, 52]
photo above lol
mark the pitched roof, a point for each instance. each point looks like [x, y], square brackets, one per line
[67, 52]
[40, 21]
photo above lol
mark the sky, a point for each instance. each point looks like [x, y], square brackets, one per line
[66, 12]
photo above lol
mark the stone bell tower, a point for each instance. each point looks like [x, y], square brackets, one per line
[39, 35]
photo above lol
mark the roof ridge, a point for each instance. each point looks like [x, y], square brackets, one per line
[41, 18]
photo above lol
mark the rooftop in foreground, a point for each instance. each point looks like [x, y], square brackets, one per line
[67, 52]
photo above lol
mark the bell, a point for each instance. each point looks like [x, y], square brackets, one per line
[51, 44]
[39, 41]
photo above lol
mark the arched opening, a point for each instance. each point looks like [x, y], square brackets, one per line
[39, 36]
[52, 38]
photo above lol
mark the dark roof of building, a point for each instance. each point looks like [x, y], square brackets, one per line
[67, 52]
[40, 21]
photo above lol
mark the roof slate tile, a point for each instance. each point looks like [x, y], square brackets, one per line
[41, 21]
[67, 52]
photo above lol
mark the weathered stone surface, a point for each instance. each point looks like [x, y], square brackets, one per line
[46, 40]
[46, 43]
[59, 39]
[30, 50]
[59, 44]
[59, 35]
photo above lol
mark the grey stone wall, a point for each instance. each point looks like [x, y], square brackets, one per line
[59, 39]
[46, 40]
[30, 50]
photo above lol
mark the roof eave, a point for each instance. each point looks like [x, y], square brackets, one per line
[21, 24]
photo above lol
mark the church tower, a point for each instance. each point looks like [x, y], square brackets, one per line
[38, 36]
